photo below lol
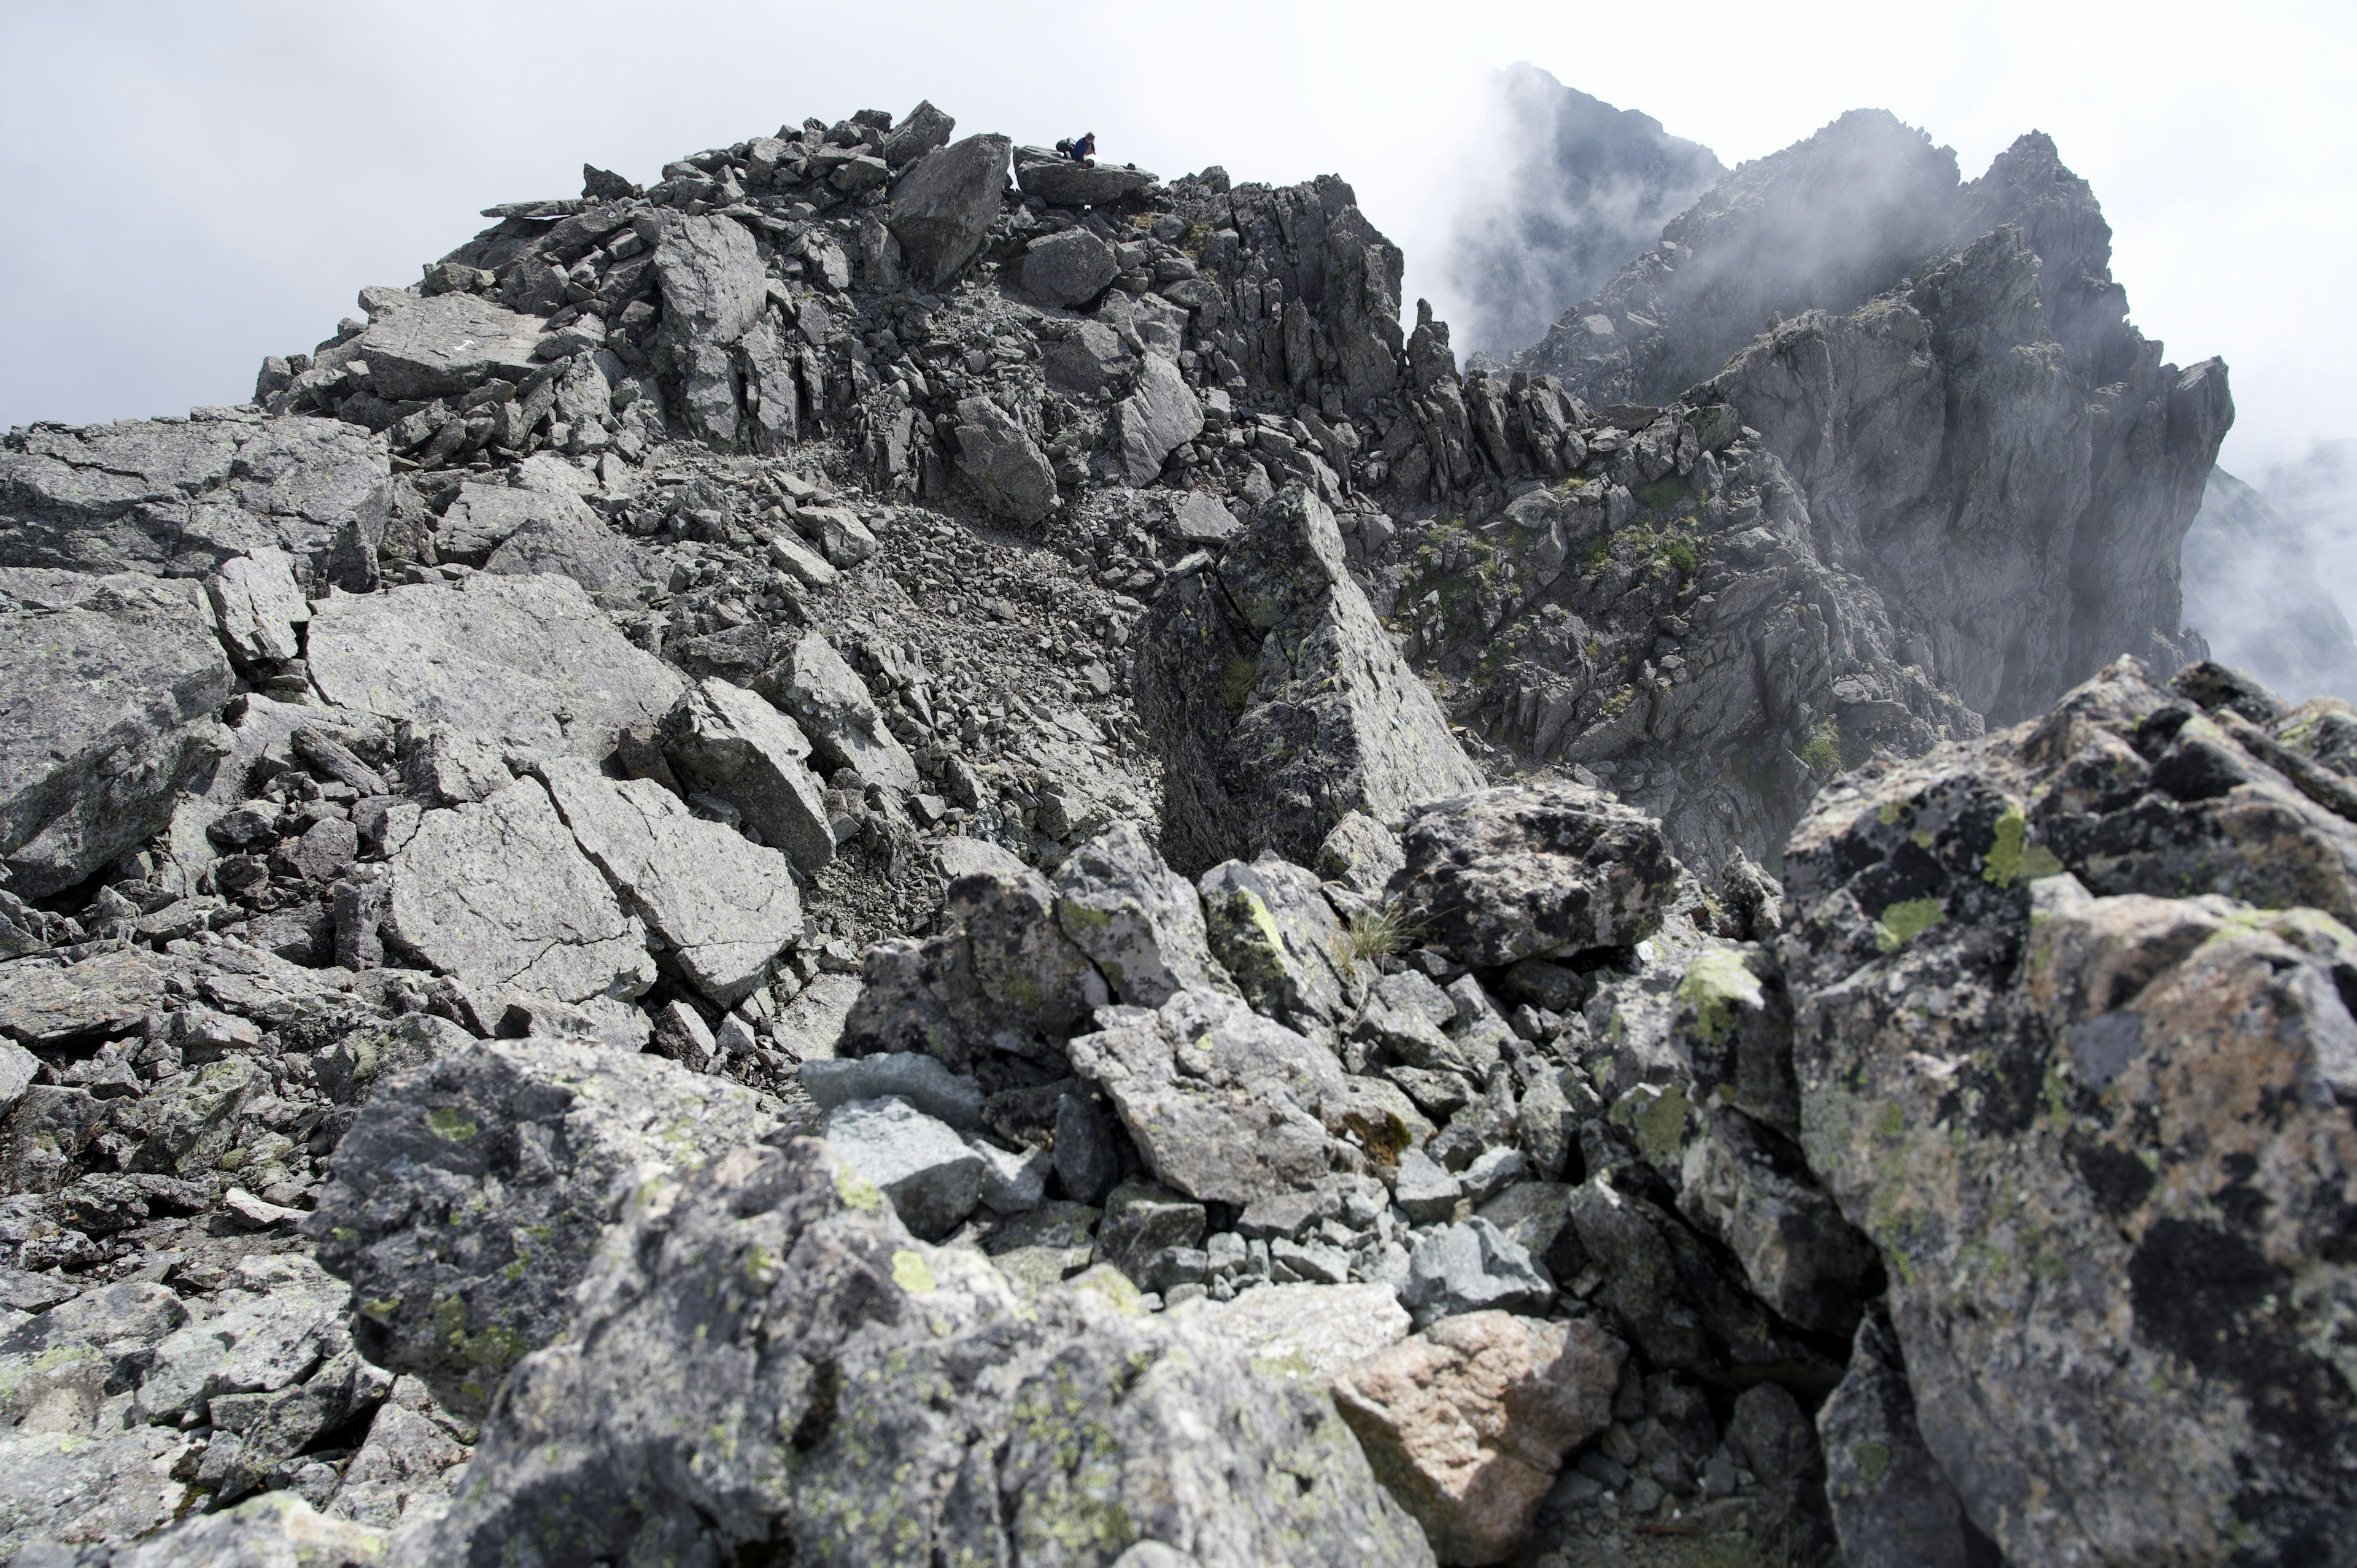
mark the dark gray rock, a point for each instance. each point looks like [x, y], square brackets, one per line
[933, 1179]
[942, 207]
[108, 711]
[1137, 919]
[1161, 414]
[1002, 461]
[825, 696]
[1554, 870]
[1070, 268]
[921, 129]
[447, 344]
[725, 740]
[468, 1198]
[1062, 182]
[911, 1075]
[922, 1413]
[1472, 1266]
[1270, 739]
[1892, 1503]
[1273, 932]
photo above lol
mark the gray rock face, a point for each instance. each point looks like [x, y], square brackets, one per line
[731, 742]
[911, 1075]
[106, 713]
[519, 533]
[1472, 1267]
[258, 604]
[1060, 182]
[275, 1531]
[1283, 733]
[181, 498]
[1158, 418]
[632, 1433]
[2121, 1049]
[467, 1199]
[500, 895]
[943, 206]
[720, 907]
[1892, 1507]
[1523, 872]
[933, 1180]
[1137, 919]
[446, 344]
[1003, 463]
[1273, 932]
[711, 278]
[832, 704]
[1224, 1104]
[1070, 268]
[522, 661]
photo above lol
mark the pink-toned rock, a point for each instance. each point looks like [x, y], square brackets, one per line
[1467, 1422]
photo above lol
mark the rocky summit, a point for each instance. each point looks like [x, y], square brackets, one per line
[901, 851]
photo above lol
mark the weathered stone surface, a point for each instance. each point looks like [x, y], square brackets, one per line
[518, 532]
[1516, 873]
[711, 279]
[277, 1530]
[1003, 462]
[943, 206]
[445, 344]
[1272, 931]
[1224, 1104]
[933, 1180]
[912, 1076]
[1137, 919]
[830, 702]
[500, 895]
[1892, 1507]
[2099, 1130]
[70, 1486]
[285, 1319]
[1270, 739]
[523, 661]
[258, 604]
[402, 1464]
[182, 498]
[1748, 1187]
[1472, 1266]
[1311, 1332]
[1161, 414]
[1070, 268]
[1467, 1422]
[467, 1200]
[1068, 1444]
[921, 129]
[1062, 182]
[722, 908]
[733, 743]
[107, 711]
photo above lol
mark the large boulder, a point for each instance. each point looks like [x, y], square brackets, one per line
[1892, 1507]
[446, 344]
[520, 531]
[2075, 1052]
[520, 662]
[942, 208]
[1467, 1422]
[1061, 181]
[1068, 268]
[1224, 1104]
[107, 714]
[852, 1395]
[499, 894]
[180, 496]
[1161, 414]
[468, 1198]
[1529, 871]
[1279, 702]
[720, 907]
[827, 698]
[1136, 918]
[724, 739]
[713, 285]
[998, 455]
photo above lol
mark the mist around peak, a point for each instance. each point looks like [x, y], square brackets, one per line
[2270, 572]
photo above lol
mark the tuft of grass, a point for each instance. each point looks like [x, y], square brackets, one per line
[1375, 934]
[1822, 754]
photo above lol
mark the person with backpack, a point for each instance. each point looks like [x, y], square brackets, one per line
[1081, 150]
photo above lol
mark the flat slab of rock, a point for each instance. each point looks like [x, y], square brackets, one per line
[831, 702]
[106, 713]
[1062, 182]
[724, 907]
[1004, 464]
[520, 662]
[447, 343]
[731, 742]
[1305, 1331]
[498, 894]
[468, 1196]
[45, 1002]
[1224, 1104]
[180, 496]
[1467, 1422]
[1555, 869]
[1156, 419]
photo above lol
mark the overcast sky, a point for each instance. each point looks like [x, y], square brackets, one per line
[197, 185]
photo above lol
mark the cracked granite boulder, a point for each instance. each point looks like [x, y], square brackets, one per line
[527, 662]
[180, 498]
[107, 714]
[468, 1197]
[1280, 702]
[942, 208]
[2073, 1033]
[854, 1395]
[500, 895]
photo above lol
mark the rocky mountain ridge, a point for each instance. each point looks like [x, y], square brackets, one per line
[899, 852]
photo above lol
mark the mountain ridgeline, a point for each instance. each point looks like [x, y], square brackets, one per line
[902, 851]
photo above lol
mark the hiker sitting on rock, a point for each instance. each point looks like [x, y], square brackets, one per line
[1082, 151]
